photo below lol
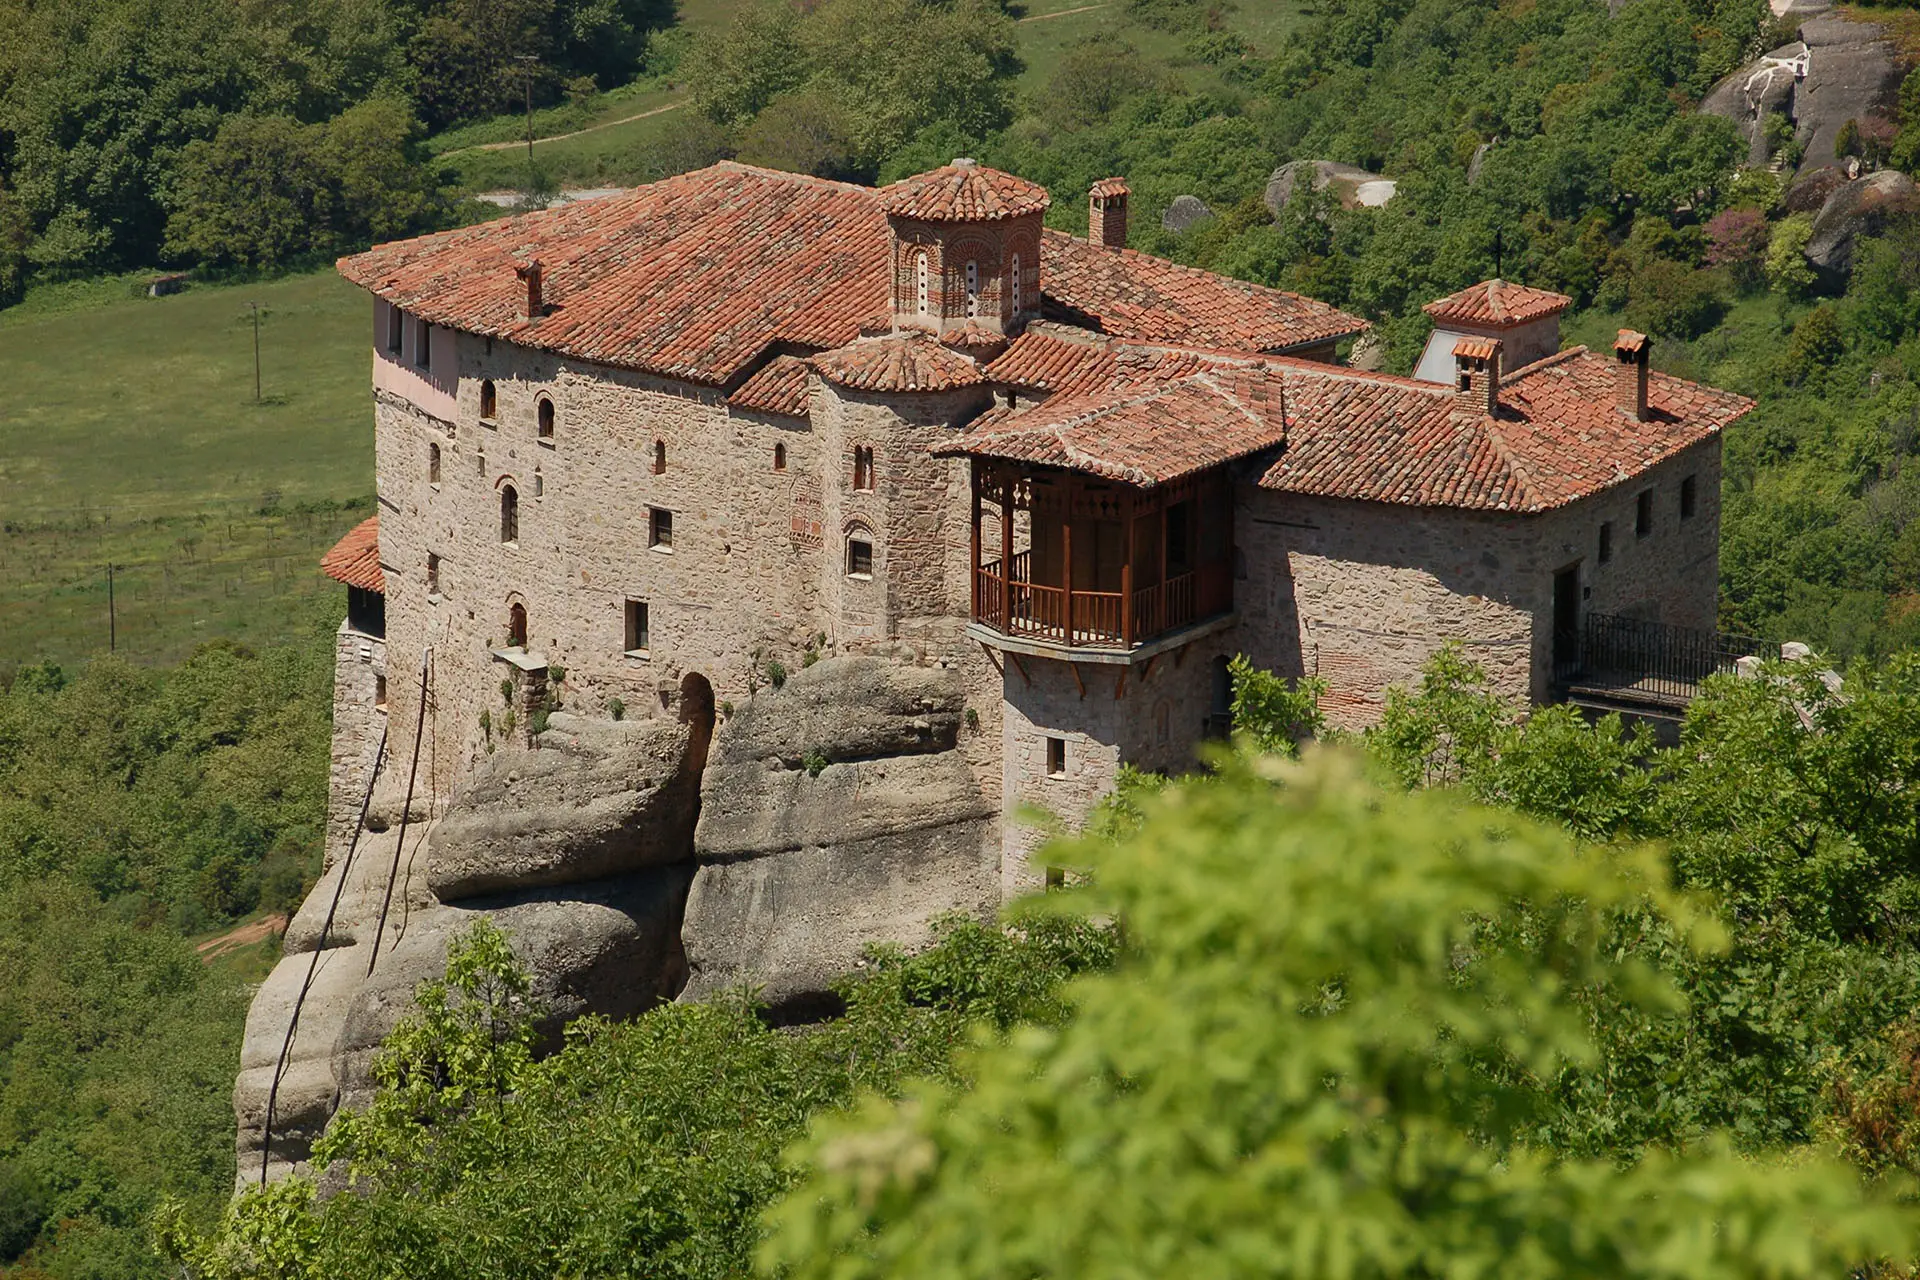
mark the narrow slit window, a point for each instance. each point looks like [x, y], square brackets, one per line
[862, 467]
[1643, 514]
[1606, 541]
[423, 344]
[1056, 757]
[509, 515]
[659, 529]
[489, 401]
[546, 418]
[920, 282]
[396, 330]
[433, 574]
[859, 558]
[1013, 283]
[659, 457]
[779, 457]
[1689, 497]
[433, 464]
[639, 633]
[379, 693]
[973, 289]
[539, 485]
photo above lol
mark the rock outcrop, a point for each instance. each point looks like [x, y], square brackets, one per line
[1838, 70]
[630, 864]
[837, 812]
[1859, 208]
[1353, 187]
[1184, 214]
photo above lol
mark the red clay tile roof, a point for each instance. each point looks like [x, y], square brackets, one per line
[780, 387]
[1495, 302]
[1475, 348]
[355, 559]
[963, 191]
[908, 362]
[1129, 294]
[1148, 435]
[695, 276]
[1559, 436]
[691, 277]
[1109, 187]
[1630, 342]
[1056, 358]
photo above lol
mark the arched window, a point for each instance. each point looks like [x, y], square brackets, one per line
[517, 626]
[862, 466]
[509, 515]
[779, 457]
[1013, 284]
[859, 552]
[546, 418]
[489, 401]
[973, 288]
[433, 464]
[920, 281]
[659, 457]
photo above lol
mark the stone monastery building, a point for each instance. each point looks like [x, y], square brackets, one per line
[647, 450]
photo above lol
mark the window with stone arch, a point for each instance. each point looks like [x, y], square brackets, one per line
[545, 416]
[920, 282]
[779, 457]
[489, 401]
[509, 515]
[863, 467]
[973, 288]
[659, 457]
[517, 625]
[859, 551]
[433, 464]
[1013, 284]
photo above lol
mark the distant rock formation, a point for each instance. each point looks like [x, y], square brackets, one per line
[1185, 213]
[1353, 187]
[629, 868]
[1839, 70]
[1855, 209]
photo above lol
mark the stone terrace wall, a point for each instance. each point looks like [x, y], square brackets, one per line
[359, 664]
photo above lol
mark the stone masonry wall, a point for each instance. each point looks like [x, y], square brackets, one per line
[359, 667]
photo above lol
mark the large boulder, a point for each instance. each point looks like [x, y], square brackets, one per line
[593, 799]
[1184, 214]
[1838, 70]
[837, 812]
[1860, 208]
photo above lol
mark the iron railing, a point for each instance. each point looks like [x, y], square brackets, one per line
[1652, 659]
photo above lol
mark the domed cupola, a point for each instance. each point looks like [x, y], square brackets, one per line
[965, 251]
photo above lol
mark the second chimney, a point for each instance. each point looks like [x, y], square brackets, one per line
[1107, 213]
[1630, 354]
[1476, 370]
[530, 272]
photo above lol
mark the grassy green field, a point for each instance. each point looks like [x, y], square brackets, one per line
[135, 440]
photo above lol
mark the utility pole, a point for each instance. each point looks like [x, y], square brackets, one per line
[526, 61]
[113, 637]
[256, 351]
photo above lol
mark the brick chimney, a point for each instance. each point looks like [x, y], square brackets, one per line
[1630, 354]
[1476, 374]
[530, 273]
[1107, 213]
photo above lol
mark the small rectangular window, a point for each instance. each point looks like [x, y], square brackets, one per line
[639, 634]
[379, 693]
[1689, 498]
[659, 529]
[423, 344]
[859, 558]
[433, 574]
[1606, 541]
[396, 328]
[1643, 514]
[1056, 757]
[862, 467]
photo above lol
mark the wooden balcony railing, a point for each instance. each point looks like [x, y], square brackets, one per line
[1017, 606]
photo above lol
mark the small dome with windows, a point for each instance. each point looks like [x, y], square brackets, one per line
[965, 250]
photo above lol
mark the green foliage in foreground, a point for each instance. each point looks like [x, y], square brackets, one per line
[1321, 1056]
[643, 1149]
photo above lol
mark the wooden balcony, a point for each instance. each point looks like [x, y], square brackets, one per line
[1148, 562]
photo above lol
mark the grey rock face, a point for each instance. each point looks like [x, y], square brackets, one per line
[1352, 186]
[800, 871]
[1860, 208]
[1851, 73]
[597, 798]
[1184, 214]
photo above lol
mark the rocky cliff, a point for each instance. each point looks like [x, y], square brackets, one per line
[631, 863]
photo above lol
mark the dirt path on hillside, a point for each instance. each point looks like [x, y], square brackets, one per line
[556, 137]
[1064, 13]
[244, 936]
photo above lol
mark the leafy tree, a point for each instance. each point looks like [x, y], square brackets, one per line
[1788, 271]
[739, 71]
[1737, 242]
[1273, 715]
[1319, 1056]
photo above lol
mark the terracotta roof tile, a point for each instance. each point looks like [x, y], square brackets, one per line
[1495, 302]
[1475, 349]
[1148, 435]
[1107, 187]
[355, 559]
[907, 362]
[779, 387]
[1050, 358]
[963, 191]
[1129, 294]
